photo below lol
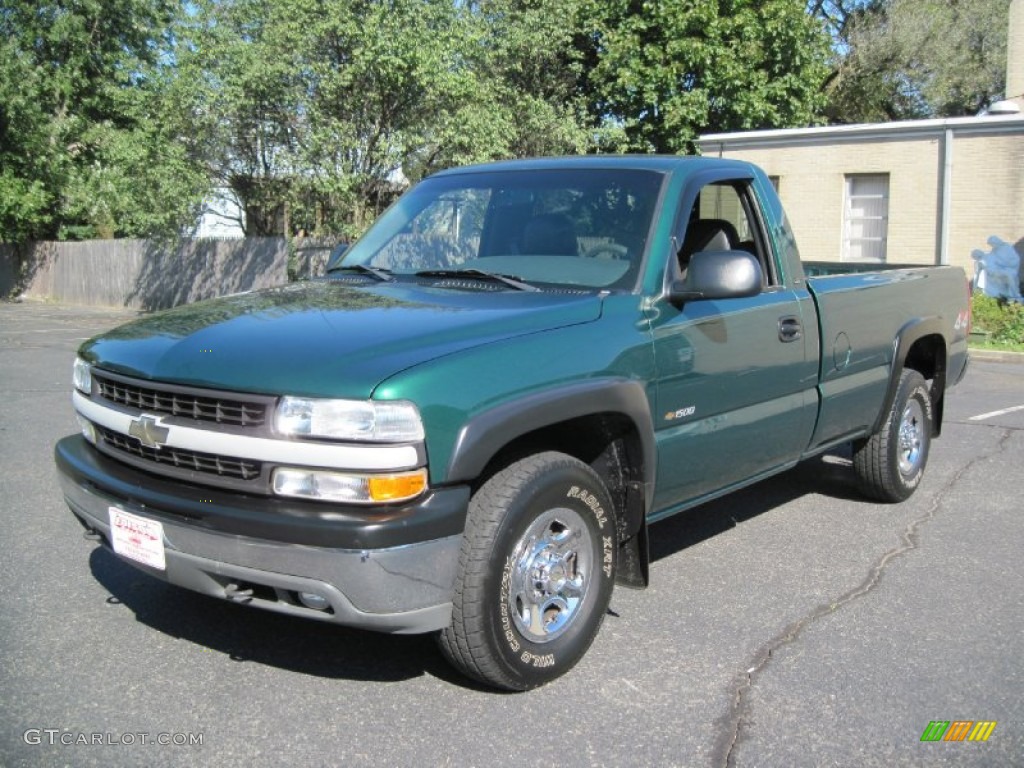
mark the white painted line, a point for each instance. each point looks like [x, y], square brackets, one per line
[44, 330]
[993, 414]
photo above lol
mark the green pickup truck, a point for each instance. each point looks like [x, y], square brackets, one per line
[468, 424]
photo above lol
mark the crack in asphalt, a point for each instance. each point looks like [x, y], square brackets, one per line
[731, 725]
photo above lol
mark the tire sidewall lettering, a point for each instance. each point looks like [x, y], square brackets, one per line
[508, 629]
[521, 653]
[590, 500]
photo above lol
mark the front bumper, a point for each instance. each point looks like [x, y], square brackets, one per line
[371, 570]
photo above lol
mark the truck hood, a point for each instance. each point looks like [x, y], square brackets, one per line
[323, 338]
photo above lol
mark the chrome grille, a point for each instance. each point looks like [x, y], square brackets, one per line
[180, 402]
[207, 463]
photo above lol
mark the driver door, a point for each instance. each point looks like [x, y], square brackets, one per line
[736, 378]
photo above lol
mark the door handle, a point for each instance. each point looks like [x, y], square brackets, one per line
[790, 329]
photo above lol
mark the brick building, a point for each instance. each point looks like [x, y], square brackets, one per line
[916, 192]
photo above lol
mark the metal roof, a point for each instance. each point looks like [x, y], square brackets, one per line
[834, 134]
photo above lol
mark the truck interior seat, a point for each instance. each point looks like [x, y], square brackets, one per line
[707, 235]
[552, 234]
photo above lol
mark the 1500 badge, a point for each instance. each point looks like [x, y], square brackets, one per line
[682, 413]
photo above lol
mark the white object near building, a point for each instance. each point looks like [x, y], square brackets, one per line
[997, 273]
[221, 216]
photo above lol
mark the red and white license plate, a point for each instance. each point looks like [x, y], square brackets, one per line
[137, 538]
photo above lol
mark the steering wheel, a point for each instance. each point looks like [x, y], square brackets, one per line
[606, 251]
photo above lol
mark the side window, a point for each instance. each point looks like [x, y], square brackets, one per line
[724, 218]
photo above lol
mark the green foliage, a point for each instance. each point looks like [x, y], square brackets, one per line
[669, 71]
[1002, 320]
[118, 116]
[308, 113]
[84, 149]
[905, 59]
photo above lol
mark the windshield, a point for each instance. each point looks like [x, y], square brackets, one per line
[584, 227]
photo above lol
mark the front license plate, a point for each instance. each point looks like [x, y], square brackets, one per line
[137, 538]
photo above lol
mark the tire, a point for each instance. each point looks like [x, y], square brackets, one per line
[890, 463]
[536, 572]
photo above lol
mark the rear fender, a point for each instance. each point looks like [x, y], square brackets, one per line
[928, 358]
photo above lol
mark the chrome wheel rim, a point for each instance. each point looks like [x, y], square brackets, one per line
[552, 565]
[911, 437]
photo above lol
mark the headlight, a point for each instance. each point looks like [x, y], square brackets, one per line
[82, 376]
[342, 487]
[396, 421]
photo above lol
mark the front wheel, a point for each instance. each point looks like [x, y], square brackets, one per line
[890, 463]
[536, 572]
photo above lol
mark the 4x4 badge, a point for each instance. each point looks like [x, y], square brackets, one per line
[149, 433]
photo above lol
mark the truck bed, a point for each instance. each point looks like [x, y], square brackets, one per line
[860, 315]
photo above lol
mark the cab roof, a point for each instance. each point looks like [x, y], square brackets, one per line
[662, 163]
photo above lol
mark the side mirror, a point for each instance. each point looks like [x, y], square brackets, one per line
[718, 275]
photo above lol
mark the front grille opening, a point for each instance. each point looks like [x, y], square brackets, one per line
[219, 410]
[207, 463]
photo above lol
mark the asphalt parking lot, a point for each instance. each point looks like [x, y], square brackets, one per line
[792, 624]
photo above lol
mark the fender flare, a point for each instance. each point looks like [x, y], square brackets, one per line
[906, 338]
[486, 433]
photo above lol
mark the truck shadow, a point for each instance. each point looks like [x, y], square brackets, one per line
[830, 475]
[248, 635]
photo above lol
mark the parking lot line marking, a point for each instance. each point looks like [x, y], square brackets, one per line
[44, 330]
[993, 414]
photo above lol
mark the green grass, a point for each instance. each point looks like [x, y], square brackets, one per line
[1002, 321]
[996, 346]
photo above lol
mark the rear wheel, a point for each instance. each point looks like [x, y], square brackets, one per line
[890, 464]
[536, 572]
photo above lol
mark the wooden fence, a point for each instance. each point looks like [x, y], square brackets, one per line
[150, 275]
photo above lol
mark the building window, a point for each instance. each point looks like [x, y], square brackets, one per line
[866, 223]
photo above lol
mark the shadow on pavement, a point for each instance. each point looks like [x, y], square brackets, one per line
[830, 475]
[252, 635]
[330, 651]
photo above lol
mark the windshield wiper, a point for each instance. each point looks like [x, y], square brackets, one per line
[381, 273]
[510, 280]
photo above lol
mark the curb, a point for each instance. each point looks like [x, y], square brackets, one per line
[995, 356]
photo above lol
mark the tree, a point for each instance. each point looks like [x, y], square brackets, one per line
[117, 115]
[84, 150]
[385, 85]
[529, 71]
[312, 115]
[836, 15]
[239, 86]
[667, 71]
[906, 59]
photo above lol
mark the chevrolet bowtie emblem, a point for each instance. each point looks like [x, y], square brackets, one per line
[149, 433]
